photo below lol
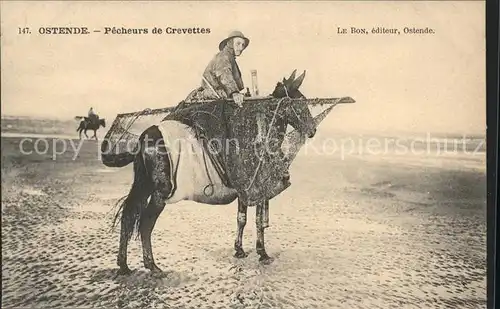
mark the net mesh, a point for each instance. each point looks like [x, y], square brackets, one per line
[123, 136]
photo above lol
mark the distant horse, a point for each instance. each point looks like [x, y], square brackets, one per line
[154, 170]
[86, 124]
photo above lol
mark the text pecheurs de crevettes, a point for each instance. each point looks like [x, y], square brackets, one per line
[122, 30]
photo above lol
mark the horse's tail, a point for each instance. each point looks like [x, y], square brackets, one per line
[118, 160]
[132, 205]
[111, 159]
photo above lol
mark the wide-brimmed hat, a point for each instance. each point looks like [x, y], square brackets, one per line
[234, 34]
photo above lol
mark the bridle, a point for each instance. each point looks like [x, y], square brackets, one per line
[291, 106]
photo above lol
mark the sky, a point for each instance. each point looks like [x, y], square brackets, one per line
[401, 83]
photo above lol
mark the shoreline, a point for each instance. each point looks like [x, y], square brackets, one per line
[37, 135]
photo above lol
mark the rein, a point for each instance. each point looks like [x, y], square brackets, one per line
[211, 185]
[297, 115]
[267, 137]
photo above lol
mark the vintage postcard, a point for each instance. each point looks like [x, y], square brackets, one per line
[221, 154]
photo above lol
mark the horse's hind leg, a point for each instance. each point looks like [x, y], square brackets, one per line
[242, 221]
[80, 129]
[160, 173]
[122, 251]
[149, 218]
[132, 205]
[131, 209]
[136, 197]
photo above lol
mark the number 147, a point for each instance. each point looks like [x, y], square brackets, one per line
[25, 30]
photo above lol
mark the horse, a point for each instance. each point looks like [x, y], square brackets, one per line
[86, 124]
[153, 172]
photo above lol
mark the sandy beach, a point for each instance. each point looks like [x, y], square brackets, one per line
[365, 231]
[387, 204]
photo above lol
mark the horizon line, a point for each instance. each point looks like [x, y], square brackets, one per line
[340, 131]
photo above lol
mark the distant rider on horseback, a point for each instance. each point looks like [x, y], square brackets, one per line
[92, 116]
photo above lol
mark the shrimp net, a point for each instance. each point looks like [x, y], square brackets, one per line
[121, 140]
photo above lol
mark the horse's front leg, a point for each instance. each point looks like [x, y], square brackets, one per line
[242, 221]
[265, 215]
[260, 221]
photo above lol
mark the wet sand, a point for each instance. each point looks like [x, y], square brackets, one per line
[363, 232]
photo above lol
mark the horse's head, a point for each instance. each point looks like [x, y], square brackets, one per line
[102, 122]
[295, 112]
[289, 87]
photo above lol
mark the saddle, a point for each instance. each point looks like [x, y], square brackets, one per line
[92, 120]
[210, 122]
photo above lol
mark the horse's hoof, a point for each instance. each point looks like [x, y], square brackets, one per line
[156, 271]
[123, 271]
[240, 254]
[266, 260]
